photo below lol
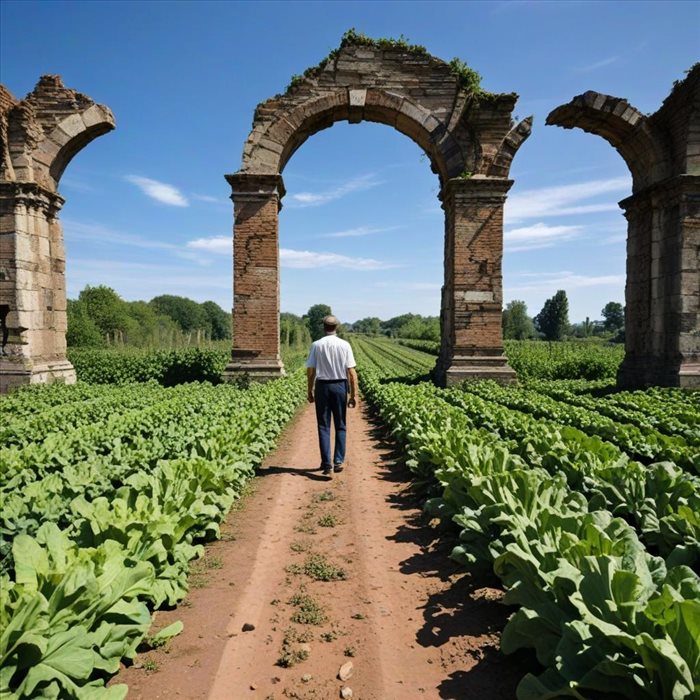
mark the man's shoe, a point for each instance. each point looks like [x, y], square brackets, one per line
[337, 468]
[326, 469]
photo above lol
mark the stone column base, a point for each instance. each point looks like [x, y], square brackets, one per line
[476, 367]
[648, 372]
[13, 375]
[255, 371]
[689, 376]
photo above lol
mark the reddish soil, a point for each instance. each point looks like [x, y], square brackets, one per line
[414, 624]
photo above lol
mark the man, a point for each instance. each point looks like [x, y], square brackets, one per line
[329, 370]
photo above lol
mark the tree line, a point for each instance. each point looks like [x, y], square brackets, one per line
[99, 317]
[552, 322]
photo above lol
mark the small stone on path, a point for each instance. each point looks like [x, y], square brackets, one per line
[345, 671]
[346, 692]
[306, 677]
[248, 627]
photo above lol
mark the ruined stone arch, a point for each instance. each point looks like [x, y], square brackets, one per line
[470, 139]
[39, 136]
[662, 290]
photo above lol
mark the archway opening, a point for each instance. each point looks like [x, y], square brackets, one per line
[361, 227]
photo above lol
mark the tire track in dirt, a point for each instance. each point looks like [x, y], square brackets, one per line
[412, 623]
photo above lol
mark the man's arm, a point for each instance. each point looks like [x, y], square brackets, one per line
[352, 380]
[310, 378]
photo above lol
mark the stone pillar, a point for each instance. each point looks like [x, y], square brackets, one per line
[32, 287]
[39, 136]
[472, 297]
[256, 279]
[662, 341]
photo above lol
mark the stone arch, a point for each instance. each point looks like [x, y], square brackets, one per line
[285, 135]
[38, 138]
[470, 139]
[662, 291]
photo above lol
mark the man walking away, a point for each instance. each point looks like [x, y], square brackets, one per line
[330, 371]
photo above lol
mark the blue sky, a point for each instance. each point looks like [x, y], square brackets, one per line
[147, 208]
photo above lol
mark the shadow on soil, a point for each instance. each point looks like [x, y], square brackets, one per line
[312, 473]
[464, 620]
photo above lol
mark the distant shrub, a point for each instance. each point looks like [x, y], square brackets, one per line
[563, 360]
[167, 367]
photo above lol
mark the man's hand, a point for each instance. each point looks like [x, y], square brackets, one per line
[351, 402]
[310, 396]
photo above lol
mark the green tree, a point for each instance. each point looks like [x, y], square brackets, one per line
[188, 314]
[370, 326]
[106, 308]
[517, 325]
[613, 316]
[219, 321]
[82, 330]
[314, 319]
[553, 320]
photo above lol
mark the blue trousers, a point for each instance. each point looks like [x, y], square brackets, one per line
[331, 400]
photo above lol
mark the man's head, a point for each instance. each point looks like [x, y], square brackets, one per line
[330, 324]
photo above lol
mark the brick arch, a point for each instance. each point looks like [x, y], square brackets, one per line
[470, 139]
[39, 135]
[643, 148]
[282, 138]
[71, 135]
[662, 290]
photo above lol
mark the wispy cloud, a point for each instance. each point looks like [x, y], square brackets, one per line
[306, 259]
[207, 198]
[547, 281]
[221, 245]
[315, 199]
[100, 234]
[160, 191]
[359, 231]
[411, 286]
[564, 199]
[537, 236]
[597, 64]
[296, 259]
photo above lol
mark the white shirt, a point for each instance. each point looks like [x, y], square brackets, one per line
[332, 357]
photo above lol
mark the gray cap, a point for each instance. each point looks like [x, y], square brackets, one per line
[331, 321]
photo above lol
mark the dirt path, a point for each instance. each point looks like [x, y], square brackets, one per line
[412, 624]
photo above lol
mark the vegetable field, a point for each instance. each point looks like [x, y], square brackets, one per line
[585, 508]
[108, 493]
[584, 502]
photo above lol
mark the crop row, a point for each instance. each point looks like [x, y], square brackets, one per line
[602, 614]
[130, 500]
[646, 446]
[649, 415]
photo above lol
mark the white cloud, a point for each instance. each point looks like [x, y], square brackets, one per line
[551, 281]
[295, 259]
[315, 199]
[160, 191]
[597, 64]
[207, 198]
[306, 259]
[537, 236]
[358, 231]
[564, 199]
[412, 286]
[221, 245]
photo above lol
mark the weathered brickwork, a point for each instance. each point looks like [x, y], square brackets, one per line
[38, 137]
[470, 140]
[662, 151]
[256, 276]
